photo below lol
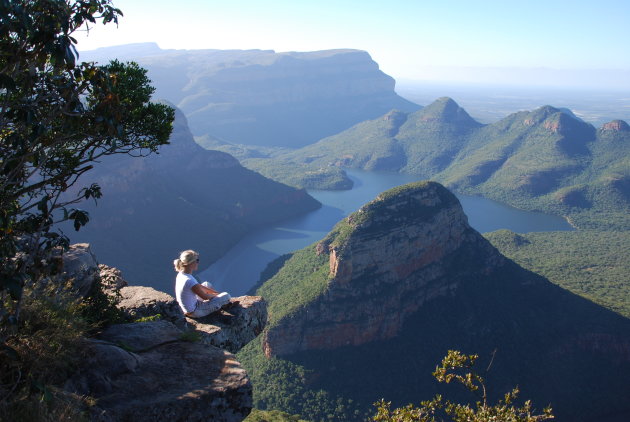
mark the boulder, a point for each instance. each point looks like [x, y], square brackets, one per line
[234, 326]
[140, 302]
[79, 269]
[161, 377]
[111, 278]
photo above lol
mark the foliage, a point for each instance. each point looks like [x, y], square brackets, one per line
[57, 118]
[156, 317]
[300, 175]
[282, 385]
[272, 416]
[457, 366]
[42, 352]
[303, 278]
[262, 160]
[593, 264]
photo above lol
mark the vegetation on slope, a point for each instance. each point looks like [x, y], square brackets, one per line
[302, 278]
[544, 160]
[593, 264]
[262, 160]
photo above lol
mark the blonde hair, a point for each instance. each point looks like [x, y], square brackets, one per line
[185, 259]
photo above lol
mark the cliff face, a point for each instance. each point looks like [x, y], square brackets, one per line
[185, 197]
[261, 97]
[401, 250]
[153, 370]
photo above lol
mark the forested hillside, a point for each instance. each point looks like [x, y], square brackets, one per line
[546, 159]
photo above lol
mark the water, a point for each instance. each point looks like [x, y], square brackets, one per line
[239, 269]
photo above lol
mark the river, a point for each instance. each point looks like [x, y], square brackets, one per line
[239, 269]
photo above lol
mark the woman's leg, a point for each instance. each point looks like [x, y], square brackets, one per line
[206, 307]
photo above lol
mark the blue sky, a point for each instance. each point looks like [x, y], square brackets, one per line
[410, 39]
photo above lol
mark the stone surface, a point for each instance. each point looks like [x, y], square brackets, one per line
[111, 278]
[616, 126]
[233, 327]
[166, 379]
[140, 301]
[142, 336]
[157, 370]
[79, 269]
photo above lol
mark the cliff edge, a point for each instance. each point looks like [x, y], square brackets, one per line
[163, 366]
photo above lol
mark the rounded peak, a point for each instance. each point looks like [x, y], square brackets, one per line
[616, 126]
[426, 190]
[418, 204]
[446, 110]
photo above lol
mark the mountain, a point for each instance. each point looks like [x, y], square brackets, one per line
[261, 97]
[546, 159]
[184, 197]
[423, 142]
[367, 312]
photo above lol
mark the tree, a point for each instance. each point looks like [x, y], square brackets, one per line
[457, 366]
[57, 118]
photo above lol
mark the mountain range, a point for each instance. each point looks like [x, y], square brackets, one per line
[261, 97]
[367, 312]
[546, 159]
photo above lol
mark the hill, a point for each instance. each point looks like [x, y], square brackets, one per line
[182, 198]
[544, 160]
[367, 312]
[261, 97]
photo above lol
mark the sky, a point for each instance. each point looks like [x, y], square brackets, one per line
[579, 41]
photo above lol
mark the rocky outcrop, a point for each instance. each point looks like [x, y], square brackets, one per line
[149, 372]
[169, 367]
[234, 328]
[616, 126]
[142, 302]
[79, 269]
[398, 252]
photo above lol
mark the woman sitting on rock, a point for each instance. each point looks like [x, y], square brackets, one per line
[196, 299]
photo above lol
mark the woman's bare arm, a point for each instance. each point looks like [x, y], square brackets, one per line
[204, 292]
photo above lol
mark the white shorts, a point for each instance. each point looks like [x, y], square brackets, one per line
[206, 307]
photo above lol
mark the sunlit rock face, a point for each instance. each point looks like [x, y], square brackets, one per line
[616, 126]
[261, 97]
[387, 260]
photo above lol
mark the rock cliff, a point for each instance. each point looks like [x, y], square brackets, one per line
[262, 97]
[405, 248]
[169, 367]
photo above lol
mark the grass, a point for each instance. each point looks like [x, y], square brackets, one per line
[43, 349]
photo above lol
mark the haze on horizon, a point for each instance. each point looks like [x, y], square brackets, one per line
[570, 43]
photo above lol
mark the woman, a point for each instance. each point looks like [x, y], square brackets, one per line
[195, 299]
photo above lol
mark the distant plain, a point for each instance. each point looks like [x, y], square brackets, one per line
[491, 103]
